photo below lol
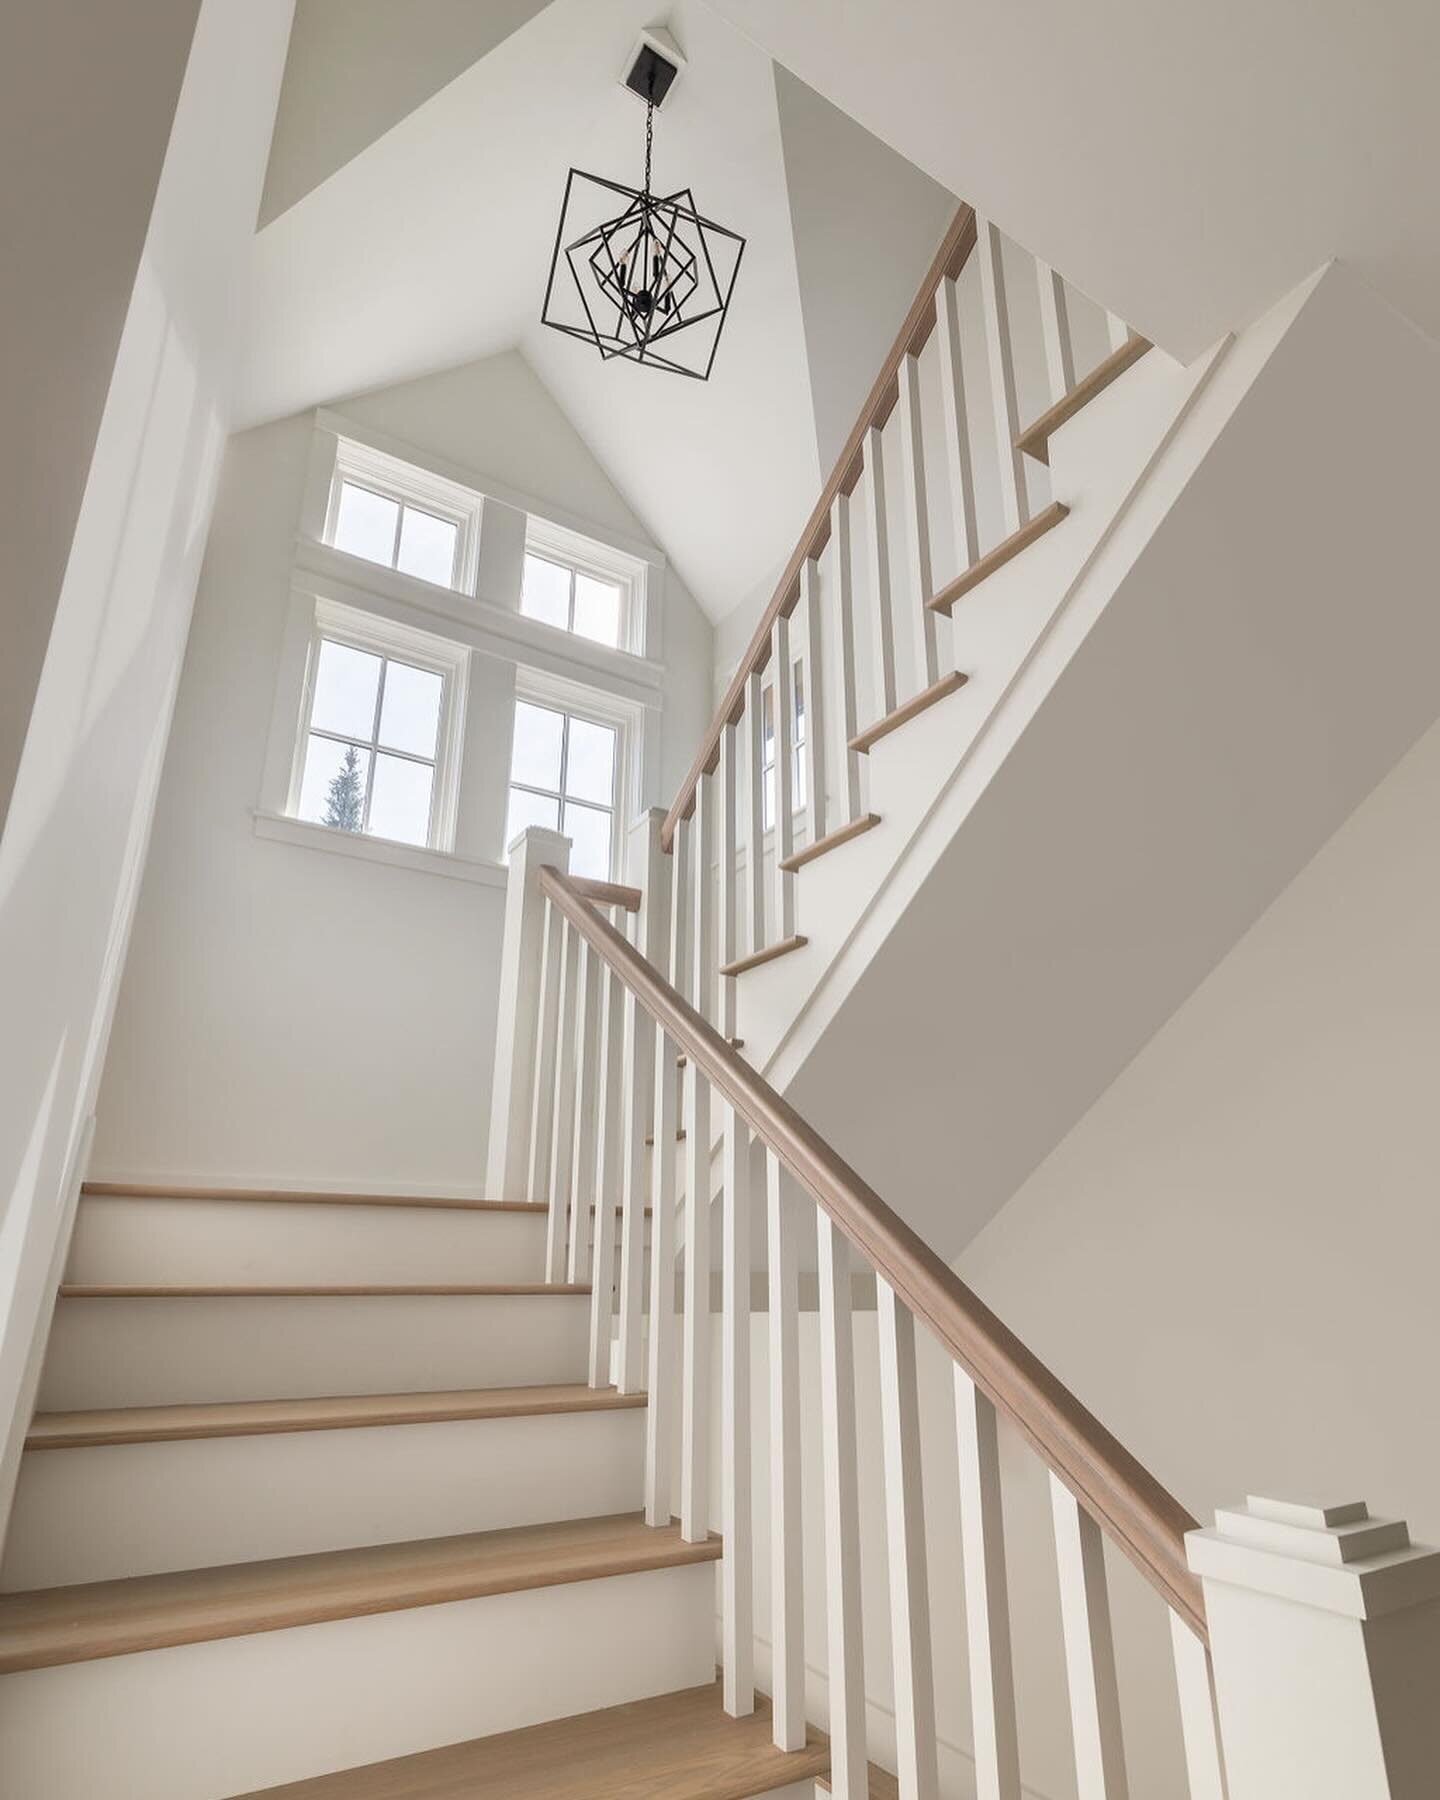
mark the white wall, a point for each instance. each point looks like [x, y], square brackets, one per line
[91, 158]
[293, 1014]
[84, 791]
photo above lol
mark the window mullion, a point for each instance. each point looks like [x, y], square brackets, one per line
[399, 526]
[374, 741]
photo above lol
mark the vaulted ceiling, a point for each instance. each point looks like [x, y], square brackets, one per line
[410, 212]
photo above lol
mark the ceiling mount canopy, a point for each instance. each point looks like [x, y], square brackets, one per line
[636, 274]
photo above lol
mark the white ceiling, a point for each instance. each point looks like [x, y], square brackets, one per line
[1185, 165]
[430, 247]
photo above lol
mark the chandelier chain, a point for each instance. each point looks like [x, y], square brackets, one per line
[649, 136]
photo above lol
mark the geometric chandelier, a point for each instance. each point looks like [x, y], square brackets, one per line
[652, 281]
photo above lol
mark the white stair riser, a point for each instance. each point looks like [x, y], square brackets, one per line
[136, 1509]
[203, 1721]
[230, 1242]
[152, 1352]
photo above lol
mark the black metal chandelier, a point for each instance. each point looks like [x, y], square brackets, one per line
[651, 282]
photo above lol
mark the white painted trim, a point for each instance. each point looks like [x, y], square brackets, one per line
[326, 419]
[268, 1181]
[498, 630]
[584, 555]
[410, 484]
[282, 830]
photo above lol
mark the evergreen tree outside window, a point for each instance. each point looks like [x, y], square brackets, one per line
[371, 744]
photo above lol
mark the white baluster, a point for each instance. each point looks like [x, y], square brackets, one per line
[562, 1133]
[918, 570]
[610, 1128]
[1055, 330]
[737, 1568]
[1195, 1680]
[957, 424]
[844, 583]
[587, 1061]
[1014, 499]
[987, 1605]
[639, 1066]
[849, 1774]
[727, 922]
[905, 1537]
[659, 1422]
[1089, 1650]
[784, 839]
[695, 1432]
[754, 725]
[882, 621]
[787, 1568]
[814, 702]
[542, 1101]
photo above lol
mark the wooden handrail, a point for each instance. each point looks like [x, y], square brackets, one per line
[1123, 1498]
[608, 893]
[950, 258]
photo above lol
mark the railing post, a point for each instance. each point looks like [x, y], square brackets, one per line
[1325, 1635]
[508, 1155]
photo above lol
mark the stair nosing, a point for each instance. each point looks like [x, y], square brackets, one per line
[195, 1421]
[319, 1291]
[239, 1603]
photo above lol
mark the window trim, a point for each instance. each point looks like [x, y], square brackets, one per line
[408, 485]
[589, 556]
[399, 643]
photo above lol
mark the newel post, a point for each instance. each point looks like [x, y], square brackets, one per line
[507, 1161]
[1325, 1638]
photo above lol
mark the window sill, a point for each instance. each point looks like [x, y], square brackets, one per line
[282, 830]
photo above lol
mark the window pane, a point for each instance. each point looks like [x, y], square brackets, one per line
[365, 523]
[526, 810]
[427, 547]
[588, 828]
[597, 609]
[538, 735]
[590, 766]
[545, 592]
[332, 789]
[410, 711]
[400, 800]
[346, 683]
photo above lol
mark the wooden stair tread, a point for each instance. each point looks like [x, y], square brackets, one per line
[759, 957]
[48, 1626]
[882, 1784]
[129, 1190]
[1045, 520]
[832, 841]
[678, 1746]
[909, 709]
[1034, 440]
[72, 1290]
[255, 1418]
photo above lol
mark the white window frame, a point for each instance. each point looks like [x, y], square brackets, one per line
[799, 773]
[628, 721]
[587, 556]
[409, 485]
[401, 643]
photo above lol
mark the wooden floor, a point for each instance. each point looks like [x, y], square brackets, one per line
[256, 1418]
[47, 1626]
[676, 1747]
[268, 1290]
[882, 1785]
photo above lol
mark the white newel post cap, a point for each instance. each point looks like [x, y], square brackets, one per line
[508, 1152]
[1325, 1640]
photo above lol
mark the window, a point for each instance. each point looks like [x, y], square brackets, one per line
[379, 747]
[403, 517]
[564, 775]
[797, 746]
[580, 586]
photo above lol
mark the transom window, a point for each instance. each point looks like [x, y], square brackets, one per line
[377, 748]
[559, 594]
[393, 532]
[564, 773]
[403, 517]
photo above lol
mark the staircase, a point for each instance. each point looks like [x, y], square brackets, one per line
[396, 1496]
